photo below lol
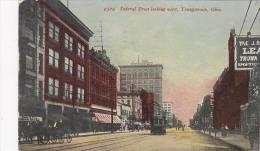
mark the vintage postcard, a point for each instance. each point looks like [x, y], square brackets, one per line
[138, 75]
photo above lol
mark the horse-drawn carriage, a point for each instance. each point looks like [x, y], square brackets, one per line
[33, 128]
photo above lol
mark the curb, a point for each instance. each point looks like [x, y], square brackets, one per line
[229, 144]
[103, 134]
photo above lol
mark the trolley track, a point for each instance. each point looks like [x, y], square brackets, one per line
[88, 143]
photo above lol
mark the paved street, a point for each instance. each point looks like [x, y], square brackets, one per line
[188, 140]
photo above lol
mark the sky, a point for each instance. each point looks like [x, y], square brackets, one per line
[192, 46]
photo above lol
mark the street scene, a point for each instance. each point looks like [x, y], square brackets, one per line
[143, 75]
[184, 140]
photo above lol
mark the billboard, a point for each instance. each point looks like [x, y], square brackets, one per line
[247, 51]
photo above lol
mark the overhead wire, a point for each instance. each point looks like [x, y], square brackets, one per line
[245, 17]
[254, 20]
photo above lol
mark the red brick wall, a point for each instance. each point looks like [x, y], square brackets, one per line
[103, 85]
[229, 93]
[59, 73]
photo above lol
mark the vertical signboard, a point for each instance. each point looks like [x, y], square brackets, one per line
[247, 51]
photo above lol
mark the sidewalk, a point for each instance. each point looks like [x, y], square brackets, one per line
[107, 132]
[236, 140]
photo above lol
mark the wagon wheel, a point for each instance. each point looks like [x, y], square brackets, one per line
[68, 138]
[44, 139]
[54, 139]
[60, 140]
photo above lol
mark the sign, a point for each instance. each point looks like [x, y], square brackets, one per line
[29, 118]
[247, 52]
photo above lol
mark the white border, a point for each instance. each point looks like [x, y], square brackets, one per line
[9, 75]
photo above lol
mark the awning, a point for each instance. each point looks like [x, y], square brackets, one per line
[106, 118]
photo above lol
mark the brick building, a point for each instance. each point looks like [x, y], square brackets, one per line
[66, 57]
[147, 106]
[230, 91]
[103, 90]
[73, 83]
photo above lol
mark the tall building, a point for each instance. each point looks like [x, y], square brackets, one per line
[59, 77]
[167, 107]
[31, 58]
[67, 62]
[144, 75]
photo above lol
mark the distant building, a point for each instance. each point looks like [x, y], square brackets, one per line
[129, 108]
[145, 76]
[147, 107]
[168, 110]
[230, 91]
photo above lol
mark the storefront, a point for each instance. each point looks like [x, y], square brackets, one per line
[103, 121]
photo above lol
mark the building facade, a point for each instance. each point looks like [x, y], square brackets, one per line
[167, 108]
[250, 115]
[145, 76]
[103, 90]
[147, 107]
[230, 92]
[130, 107]
[59, 75]
[66, 57]
[31, 58]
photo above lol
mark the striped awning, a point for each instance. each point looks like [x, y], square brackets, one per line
[106, 118]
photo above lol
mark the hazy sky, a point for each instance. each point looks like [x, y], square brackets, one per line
[191, 46]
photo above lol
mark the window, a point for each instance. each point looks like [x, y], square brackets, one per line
[28, 31]
[67, 91]
[81, 95]
[68, 42]
[145, 75]
[157, 75]
[81, 50]
[54, 31]
[53, 58]
[29, 63]
[40, 36]
[80, 72]
[140, 75]
[53, 87]
[68, 65]
[40, 63]
[128, 76]
[29, 87]
[40, 12]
